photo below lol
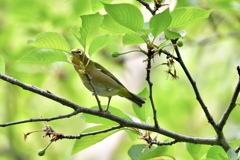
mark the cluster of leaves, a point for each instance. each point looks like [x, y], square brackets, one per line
[98, 30]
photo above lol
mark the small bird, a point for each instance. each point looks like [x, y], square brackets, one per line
[101, 80]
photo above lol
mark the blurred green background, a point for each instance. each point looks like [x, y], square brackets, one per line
[211, 51]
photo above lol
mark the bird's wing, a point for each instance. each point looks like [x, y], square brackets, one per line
[105, 71]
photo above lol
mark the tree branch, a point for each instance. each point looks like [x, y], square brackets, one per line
[147, 6]
[221, 140]
[90, 133]
[231, 105]
[193, 83]
[165, 143]
[40, 119]
[150, 84]
[237, 149]
[121, 121]
[39, 91]
[168, 54]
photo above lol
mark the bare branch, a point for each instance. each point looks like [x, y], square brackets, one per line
[231, 105]
[147, 6]
[121, 121]
[150, 84]
[90, 133]
[221, 140]
[157, 4]
[40, 119]
[237, 149]
[39, 91]
[238, 69]
[193, 83]
[168, 54]
[165, 143]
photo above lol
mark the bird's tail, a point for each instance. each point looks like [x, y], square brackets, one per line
[138, 100]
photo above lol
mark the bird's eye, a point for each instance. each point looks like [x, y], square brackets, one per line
[77, 51]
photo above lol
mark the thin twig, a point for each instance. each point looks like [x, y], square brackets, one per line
[150, 84]
[39, 91]
[193, 83]
[231, 105]
[40, 119]
[90, 133]
[238, 70]
[168, 54]
[237, 149]
[147, 6]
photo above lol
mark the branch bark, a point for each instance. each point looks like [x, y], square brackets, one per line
[221, 140]
[40, 119]
[231, 106]
[122, 122]
[194, 85]
[150, 84]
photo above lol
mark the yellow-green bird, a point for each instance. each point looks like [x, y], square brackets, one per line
[105, 84]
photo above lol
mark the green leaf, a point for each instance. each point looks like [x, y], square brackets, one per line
[99, 120]
[171, 34]
[126, 14]
[214, 152]
[98, 4]
[44, 55]
[89, 29]
[132, 39]
[88, 141]
[160, 22]
[100, 42]
[223, 157]
[77, 36]
[234, 143]
[2, 65]
[158, 152]
[232, 155]
[51, 40]
[136, 152]
[85, 7]
[145, 112]
[194, 150]
[114, 27]
[186, 15]
[81, 7]
[133, 134]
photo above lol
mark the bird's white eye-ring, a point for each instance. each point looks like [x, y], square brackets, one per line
[77, 51]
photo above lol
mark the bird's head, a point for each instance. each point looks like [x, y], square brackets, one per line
[78, 56]
[77, 52]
